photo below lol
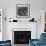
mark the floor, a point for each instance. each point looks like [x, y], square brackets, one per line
[20, 45]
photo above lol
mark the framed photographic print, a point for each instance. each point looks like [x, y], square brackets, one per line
[22, 10]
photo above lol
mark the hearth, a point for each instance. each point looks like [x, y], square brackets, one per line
[22, 37]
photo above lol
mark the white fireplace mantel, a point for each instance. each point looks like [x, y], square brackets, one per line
[23, 26]
[21, 29]
[26, 27]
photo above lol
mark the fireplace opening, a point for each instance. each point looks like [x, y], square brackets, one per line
[22, 37]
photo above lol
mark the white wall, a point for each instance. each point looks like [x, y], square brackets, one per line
[34, 3]
[40, 26]
[4, 25]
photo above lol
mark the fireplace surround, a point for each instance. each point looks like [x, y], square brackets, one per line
[21, 35]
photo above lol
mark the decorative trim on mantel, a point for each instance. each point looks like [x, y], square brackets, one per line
[21, 29]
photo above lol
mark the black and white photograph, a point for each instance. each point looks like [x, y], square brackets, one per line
[22, 10]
